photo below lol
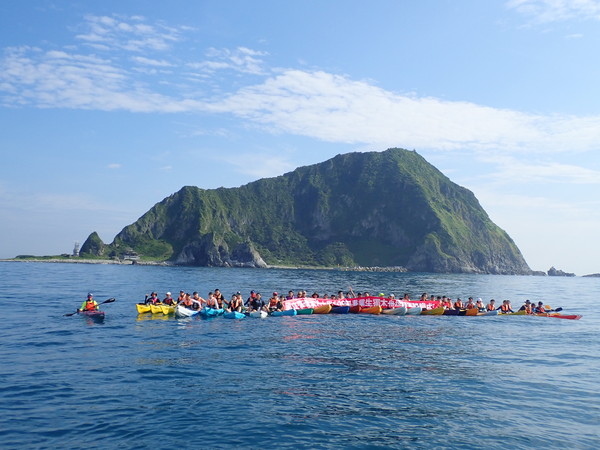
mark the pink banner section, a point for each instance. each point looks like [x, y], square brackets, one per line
[302, 303]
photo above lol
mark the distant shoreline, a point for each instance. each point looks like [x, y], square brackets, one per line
[397, 269]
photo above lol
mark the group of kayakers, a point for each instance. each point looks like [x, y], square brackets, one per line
[255, 302]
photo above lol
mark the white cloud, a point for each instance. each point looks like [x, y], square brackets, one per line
[337, 109]
[545, 11]
[241, 59]
[128, 33]
[151, 62]
[114, 166]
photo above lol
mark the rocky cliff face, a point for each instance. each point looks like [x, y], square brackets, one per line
[387, 208]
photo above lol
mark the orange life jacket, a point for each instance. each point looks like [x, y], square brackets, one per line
[90, 306]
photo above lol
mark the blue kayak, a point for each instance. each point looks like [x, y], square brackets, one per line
[211, 312]
[287, 312]
[340, 310]
[234, 315]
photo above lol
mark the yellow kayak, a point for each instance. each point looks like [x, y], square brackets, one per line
[323, 309]
[156, 309]
[167, 309]
[517, 313]
[433, 312]
[371, 310]
[142, 308]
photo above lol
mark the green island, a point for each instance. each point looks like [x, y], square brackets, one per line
[389, 210]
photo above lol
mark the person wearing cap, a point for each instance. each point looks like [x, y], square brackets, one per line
[153, 299]
[527, 306]
[479, 305]
[89, 304]
[257, 303]
[168, 300]
[540, 308]
[181, 296]
[249, 300]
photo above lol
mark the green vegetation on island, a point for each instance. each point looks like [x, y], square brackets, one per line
[384, 209]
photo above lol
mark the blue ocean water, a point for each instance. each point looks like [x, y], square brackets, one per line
[328, 381]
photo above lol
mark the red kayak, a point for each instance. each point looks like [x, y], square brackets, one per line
[94, 315]
[560, 316]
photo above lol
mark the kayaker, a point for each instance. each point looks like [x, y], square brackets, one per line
[458, 304]
[505, 307]
[446, 302]
[219, 297]
[470, 304]
[249, 300]
[188, 303]
[211, 301]
[479, 305]
[273, 301]
[153, 299]
[197, 300]
[168, 300]
[539, 309]
[235, 304]
[257, 303]
[89, 304]
[527, 306]
[181, 296]
[290, 295]
[491, 306]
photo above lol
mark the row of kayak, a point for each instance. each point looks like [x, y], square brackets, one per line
[182, 311]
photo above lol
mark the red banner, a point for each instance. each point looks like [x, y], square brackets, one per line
[302, 303]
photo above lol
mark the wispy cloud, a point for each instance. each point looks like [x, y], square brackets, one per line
[317, 104]
[335, 108]
[127, 33]
[241, 59]
[546, 11]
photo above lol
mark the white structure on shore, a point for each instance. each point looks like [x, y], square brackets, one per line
[76, 249]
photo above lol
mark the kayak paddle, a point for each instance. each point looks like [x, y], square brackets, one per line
[110, 300]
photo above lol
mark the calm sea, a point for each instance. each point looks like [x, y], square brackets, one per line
[330, 381]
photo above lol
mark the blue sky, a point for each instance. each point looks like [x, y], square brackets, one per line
[108, 107]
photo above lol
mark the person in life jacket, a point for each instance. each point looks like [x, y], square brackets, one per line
[458, 304]
[491, 306]
[89, 304]
[153, 299]
[168, 300]
[479, 305]
[540, 308]
[470, 304]
[527, 306]
[505, 307]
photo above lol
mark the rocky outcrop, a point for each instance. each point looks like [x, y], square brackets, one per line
[553, 272]
[93, 245]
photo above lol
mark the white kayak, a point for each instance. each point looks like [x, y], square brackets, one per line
[259, 314]
[414, 311]
[182, 311]
[400, 311]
